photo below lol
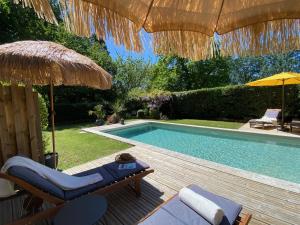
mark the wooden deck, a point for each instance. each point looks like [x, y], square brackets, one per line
[269, 205]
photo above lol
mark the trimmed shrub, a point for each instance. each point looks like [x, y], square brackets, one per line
[43, 112]
[233, 102]
[73, 112]
[44, 121]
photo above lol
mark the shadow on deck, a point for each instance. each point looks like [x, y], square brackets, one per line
[123, 206]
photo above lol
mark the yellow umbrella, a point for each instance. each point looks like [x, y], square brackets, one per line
[282, 79]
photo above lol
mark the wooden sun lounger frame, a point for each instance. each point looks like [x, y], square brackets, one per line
[241, 220]
[134, 181]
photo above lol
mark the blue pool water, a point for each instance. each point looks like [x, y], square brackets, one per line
[273, 156]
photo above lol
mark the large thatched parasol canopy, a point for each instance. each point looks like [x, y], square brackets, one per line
[188, 27]
[48, 63]
[43, 63]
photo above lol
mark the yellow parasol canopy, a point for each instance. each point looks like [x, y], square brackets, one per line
[285, 78]
[186, 27]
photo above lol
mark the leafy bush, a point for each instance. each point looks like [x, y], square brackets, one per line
[140, 114]
[43, 112]
[233, 102]
[97, 111]
[230, 102]
[154, 113]
[73, 112]
[44, 120]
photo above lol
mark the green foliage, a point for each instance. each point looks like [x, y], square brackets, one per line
[118, 107]
[98, 112]
[233, 102]
[43, 112]
[173, 73]
[245, 69]
[130, 74]
[169, 73]
[73, 112]
[154, 113]
[44, 120]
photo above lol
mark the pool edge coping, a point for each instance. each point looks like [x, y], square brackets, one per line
[264, 179]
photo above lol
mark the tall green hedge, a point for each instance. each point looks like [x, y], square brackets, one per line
[73, 112]
[233, 102]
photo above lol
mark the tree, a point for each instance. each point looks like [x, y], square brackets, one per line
[170, 73]
[131, 74]
[245, 69]
[173, 73]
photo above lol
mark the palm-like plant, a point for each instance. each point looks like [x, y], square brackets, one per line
[118, 107]
[98, 112]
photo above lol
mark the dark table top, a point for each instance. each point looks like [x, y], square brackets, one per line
[86, 210]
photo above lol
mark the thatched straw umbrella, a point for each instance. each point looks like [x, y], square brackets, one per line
[48, 63]
[187, 27]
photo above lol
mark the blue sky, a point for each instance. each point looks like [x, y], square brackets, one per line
[147, 55]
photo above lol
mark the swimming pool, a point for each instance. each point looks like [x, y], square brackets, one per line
[273, 156]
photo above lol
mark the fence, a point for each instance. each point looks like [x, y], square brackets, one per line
[20, 128]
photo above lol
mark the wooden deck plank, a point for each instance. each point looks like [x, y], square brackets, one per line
[269, 205]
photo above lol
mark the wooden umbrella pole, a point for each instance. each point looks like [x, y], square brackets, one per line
[52, 123]
[282, 106]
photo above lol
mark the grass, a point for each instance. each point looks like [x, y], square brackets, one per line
[208, 123]
[75, 147]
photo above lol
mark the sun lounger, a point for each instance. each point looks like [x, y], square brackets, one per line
[175, 212]
[295, 124]
[113, 178]
[270, 118]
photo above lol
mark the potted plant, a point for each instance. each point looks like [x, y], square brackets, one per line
[99, 113]
[117, 108]
[49, 159]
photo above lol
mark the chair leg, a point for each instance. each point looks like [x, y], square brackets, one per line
[32, 205]
[137, 187]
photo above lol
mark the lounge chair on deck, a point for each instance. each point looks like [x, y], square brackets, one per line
[294, 124]
[113, 178]
[270, 118]
[176, 212]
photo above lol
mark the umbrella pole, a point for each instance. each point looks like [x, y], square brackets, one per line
[52, 123]
[282, 107]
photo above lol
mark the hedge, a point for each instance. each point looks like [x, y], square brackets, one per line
[233, 102]
[73, 112]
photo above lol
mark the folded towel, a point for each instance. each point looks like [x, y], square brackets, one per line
[62, 180]
[203, 206]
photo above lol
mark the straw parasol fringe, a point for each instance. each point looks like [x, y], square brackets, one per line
[245, 27]
[38, 62]
[85, 18]
[186, 44]
[48, 63]
[41, 7]
[263, 38]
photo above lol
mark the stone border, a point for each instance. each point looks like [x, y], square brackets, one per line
[275, 182]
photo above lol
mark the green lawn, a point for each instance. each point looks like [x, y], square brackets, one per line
[208, 123]
[75, 147]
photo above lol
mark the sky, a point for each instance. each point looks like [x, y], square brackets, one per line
[147, 55]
